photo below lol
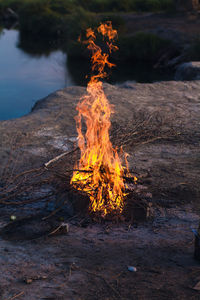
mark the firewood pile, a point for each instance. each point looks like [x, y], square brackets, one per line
[50, 183]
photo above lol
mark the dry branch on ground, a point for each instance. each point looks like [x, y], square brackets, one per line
[26, 187]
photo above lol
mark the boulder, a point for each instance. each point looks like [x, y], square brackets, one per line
[188, 71]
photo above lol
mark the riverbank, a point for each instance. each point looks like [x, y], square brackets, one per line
[160, 38]
[161, 121]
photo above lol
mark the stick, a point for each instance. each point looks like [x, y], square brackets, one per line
[21, 174]
[16, 296]
[59, 156]
[25, 201]
[77, 170]
[55, 211]
[63, 225]
[91, 171]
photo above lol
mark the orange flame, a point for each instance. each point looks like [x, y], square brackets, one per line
[100, 168]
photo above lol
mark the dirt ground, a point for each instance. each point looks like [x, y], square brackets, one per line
[91, 260]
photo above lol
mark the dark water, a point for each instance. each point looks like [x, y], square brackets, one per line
[27, 76]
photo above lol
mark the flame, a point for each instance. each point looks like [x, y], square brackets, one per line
[100, 171]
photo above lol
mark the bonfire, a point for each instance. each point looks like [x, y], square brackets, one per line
[99, 172]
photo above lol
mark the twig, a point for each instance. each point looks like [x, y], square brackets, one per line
[91, 171]
[54, 212]
[26, 172]
[155, 139]
[25, 201]
[21, 174]
[77, 170]
[63, 176]
[59, 156]
[63, 226]
[12, 189]
[16, 296]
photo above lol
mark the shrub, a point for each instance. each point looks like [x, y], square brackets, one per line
[66, 6]
[141, 46]
[14, 4]
[62, 7]
[194, 51]
[39, 20]
[65, 20]
[117, 21]
[38, 46]
[76, 50]
[127, 5]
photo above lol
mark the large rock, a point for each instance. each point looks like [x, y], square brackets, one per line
[38, 265]
[173, 161]
[188, 71]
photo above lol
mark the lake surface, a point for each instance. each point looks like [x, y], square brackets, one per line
[26, 78]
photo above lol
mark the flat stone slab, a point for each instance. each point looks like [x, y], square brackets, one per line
[50, 129]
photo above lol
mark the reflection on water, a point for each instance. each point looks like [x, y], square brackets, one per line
[30, 70]
[37, 47]
[127, 71]
[26, 78]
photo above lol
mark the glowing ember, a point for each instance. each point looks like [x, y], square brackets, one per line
[100, 168]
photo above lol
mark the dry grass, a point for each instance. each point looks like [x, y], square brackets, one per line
[145, 128]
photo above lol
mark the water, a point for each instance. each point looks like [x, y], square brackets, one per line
[25, 78]
[29, 72]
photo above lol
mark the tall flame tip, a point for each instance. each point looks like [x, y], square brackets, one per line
[102, 171]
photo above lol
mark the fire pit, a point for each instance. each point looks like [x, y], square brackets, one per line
[94, 176]
[100, 172]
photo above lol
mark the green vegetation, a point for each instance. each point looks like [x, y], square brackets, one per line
[142, 46]
[99, 6]
[194, 51]
[126, 5]
[62, 21]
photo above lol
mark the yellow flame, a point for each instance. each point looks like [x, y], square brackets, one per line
[100, 172]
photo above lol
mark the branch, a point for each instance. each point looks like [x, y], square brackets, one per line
[59, 156]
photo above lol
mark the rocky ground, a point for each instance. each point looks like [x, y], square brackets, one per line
[180, 27]
[158, 124]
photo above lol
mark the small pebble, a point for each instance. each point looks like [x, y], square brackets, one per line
[28, 280]
[132, 269]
